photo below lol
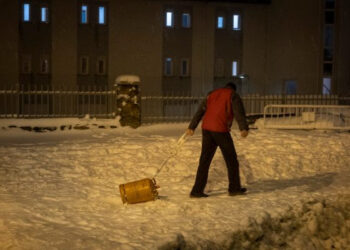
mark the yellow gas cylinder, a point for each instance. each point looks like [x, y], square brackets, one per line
[139, 191]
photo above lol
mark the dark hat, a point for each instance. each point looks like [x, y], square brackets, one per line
[231, 85]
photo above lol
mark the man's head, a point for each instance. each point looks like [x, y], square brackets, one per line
[231, 85]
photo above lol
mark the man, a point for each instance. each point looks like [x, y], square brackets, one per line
[218, 111]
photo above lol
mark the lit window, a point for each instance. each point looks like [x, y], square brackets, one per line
[26, 12]
[327, 82]
[101, 66]
[186, 20]
[184, 67]
[101, 15]
[169, 22]
[84, 65]
[84, 14]
[44, 15]
[234, 68]
[219, 67]
[44, 66]
[236, 22]
[168, 69]
[220, 22]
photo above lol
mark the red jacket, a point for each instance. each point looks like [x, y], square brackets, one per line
[218, 116]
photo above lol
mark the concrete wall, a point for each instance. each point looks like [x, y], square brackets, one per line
[294, 45]
[9, 65]
[342, 67]
[64, 43]
[135, 42]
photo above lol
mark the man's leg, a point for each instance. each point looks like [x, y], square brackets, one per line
[208, 150]
[224, 141]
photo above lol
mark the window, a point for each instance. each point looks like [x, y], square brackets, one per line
[291, 87]
[26, 65]
[220, 22]
[101, 65]
[234, 68]
[169, 19]
[326, 88]
[184, 67]
[327, 68]
[84, 65]
[44, 17]
[26, 12]
[168, 67]
[84, 14]
[44, 65]
[329, 4]
[219, 67]
[236, 22]
[329, 17]
[102, 15]
[186, 20]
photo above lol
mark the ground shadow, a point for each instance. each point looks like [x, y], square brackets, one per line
[309, 184]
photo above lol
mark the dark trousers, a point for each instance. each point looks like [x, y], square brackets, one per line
[210, 142]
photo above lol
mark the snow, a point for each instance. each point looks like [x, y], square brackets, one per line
[59, 189]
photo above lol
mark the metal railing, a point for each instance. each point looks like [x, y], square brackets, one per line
[182, 108]
[35, 103]
[307, 117]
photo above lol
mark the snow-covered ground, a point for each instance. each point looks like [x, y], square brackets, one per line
[59, 190]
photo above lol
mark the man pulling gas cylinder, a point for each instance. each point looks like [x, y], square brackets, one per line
[218, 111]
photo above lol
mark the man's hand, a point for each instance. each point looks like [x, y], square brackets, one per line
[244, 133]
[189, 132]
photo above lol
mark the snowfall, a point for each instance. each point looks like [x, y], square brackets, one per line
[60, 189]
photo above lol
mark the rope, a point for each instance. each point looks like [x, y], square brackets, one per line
[179, 143]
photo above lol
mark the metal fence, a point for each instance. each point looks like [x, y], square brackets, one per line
[307, 117]
[19, 101]
[182, 108]
[44, 102]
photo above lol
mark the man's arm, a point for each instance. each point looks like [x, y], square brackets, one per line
[239, 113]
[197, 117]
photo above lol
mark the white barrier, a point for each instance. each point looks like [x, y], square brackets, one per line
[307, 117]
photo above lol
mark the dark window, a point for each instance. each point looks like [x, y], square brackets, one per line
[329, 4]
[328, 37]
[186, 20]
[291, 87]
[327, 68]
[168, 66]
[328, 54]
[329, 17]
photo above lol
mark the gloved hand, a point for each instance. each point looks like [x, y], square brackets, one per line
[189, 132]
[244, 133]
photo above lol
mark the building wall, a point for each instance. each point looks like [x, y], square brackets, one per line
[9, 65]
[342, 72]
[203, 49]
[64, 43]
[254, 48]
[177, 44]
[135, 42]
[294, 45]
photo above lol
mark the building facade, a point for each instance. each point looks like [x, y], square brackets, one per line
[178, 47]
